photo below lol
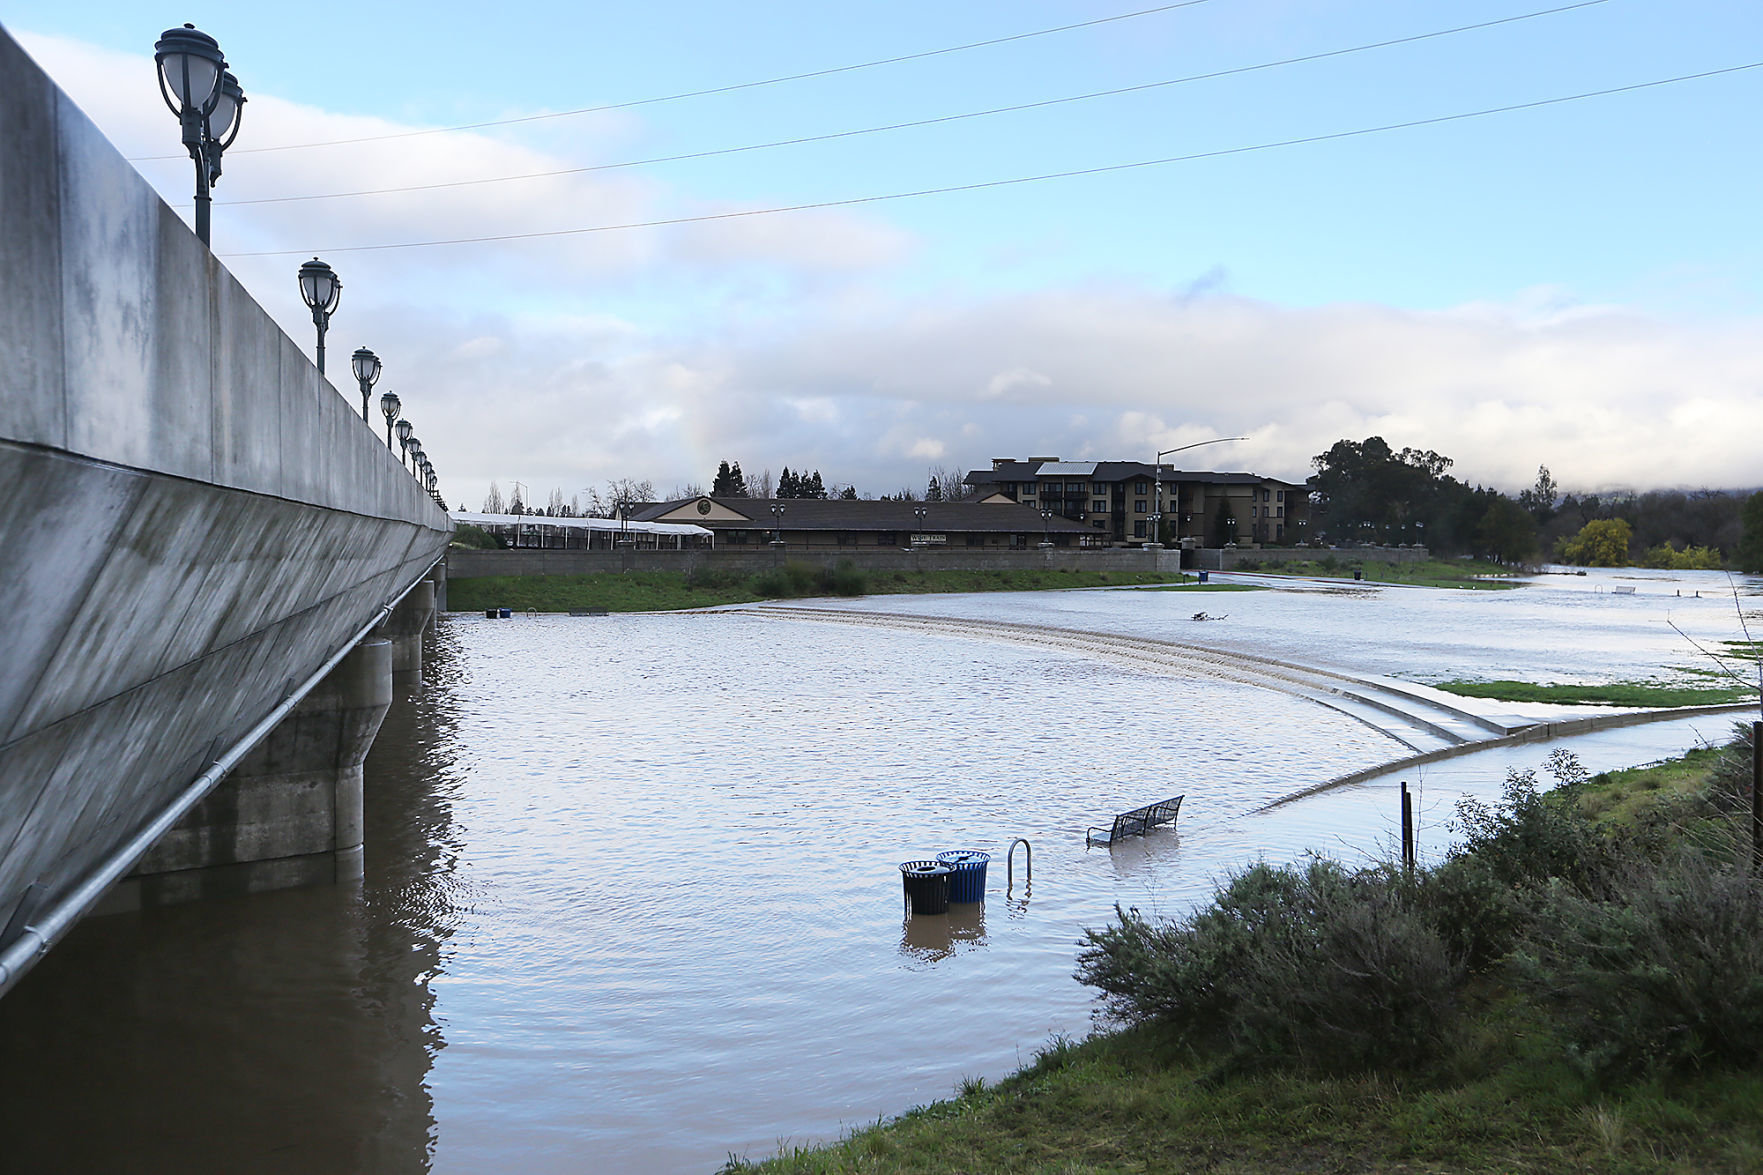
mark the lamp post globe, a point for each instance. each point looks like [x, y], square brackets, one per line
[389, 408]
[415, 452]
[320, 289]
[405, 428]
[366, 366]
[189, 65]
[223, 124]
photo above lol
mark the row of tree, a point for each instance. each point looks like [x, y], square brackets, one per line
[1364, 491]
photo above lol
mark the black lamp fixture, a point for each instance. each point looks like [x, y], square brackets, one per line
[390, 407]
[320, 288]
[366, 366]
[417, 457]
[405, 428]
[207, 100]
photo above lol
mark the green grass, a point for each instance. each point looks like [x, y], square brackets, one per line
[1128, 1102]
[1616, 693]
[660, 591]
[1465, 575]
[1507, 1099]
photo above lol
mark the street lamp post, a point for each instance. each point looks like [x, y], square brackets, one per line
[1046, 528]
[1156, 538]
[366, 366]
[416, 456]
[404, 428]
[320, 289]
[195, 84]
[389, 408]
[777, 524]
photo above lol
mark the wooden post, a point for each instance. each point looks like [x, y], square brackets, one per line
[1757, 798]
[1408, 827]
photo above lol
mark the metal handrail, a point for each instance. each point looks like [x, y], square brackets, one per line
[1028, 865]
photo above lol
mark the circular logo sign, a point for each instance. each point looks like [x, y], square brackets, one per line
[703, 505]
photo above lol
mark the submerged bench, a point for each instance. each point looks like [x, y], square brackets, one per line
[1136, 822]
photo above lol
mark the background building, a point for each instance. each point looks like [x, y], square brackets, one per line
[1123, 500]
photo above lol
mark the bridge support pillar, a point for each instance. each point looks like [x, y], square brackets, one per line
[290, 813]
[406, 625]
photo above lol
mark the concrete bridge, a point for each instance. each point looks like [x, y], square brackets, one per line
[210, 565]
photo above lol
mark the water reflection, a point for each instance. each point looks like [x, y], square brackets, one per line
[930, 938]
[288, 1031]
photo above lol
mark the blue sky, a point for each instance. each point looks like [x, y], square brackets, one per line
[1575, 284]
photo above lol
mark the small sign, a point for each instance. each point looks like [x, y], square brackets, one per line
[920, 540]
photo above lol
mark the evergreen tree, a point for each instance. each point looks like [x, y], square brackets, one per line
[1749, 554]
[849, 494]
[812, 486]
[737, 481]
[722, 485]
[787, 484]
[934, 491]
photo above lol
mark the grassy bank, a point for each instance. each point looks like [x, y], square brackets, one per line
[1470, 575]
[1525, 1052]
[658, 591]
[1619, 693]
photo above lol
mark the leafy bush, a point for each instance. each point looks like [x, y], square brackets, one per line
[1322, 967]
[1668, 977]
[1533, 838]
[474, 538]
[844, 579]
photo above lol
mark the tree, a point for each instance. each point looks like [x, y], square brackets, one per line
[515, 505]
[729, 483]
[811, 486]
[951, 485]
[849, 493]
[1506, 532]
[493, 503]
[557, 507]
[1540, 498]
[1603, 542]
[934, 491]
[760, 486]
[1749, 554]
[625, 493]
[1224, 525]
[788, 484]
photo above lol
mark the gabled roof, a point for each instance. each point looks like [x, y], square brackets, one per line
[863, 514]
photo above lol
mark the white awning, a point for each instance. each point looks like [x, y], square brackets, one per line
[604, 525]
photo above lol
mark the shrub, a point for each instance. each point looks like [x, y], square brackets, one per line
[844, 579]
[474, 538]
[1667, 977]
[1329, 969]
[1533, 838]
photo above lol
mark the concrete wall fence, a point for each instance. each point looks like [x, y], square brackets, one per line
[191, 518]
[468, 564]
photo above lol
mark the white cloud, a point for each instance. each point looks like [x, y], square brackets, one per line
[787, 340]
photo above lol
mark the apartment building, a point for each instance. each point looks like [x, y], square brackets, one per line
[1130, 502]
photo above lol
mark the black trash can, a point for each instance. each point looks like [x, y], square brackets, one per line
[927, 886]
[489, 614]
[967, 874]
[1358, 575]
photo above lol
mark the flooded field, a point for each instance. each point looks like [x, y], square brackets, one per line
[632, 898]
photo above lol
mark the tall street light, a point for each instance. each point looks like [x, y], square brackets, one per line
[320, 289]
[405, 428]
[389, 408]
[1156, 538]
[191, 80]
[366, 366]
[414, 448]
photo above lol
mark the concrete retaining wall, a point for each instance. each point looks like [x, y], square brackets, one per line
[464, 564]
[1229, 559]
[191, 519]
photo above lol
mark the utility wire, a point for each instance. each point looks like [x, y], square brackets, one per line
[729, 89]
[946, 118]
[1027, 179]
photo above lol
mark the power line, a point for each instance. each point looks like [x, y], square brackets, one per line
[729, 89]
[922, 122]
[1027, 179]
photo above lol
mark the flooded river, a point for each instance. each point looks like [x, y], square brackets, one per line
[632, 901]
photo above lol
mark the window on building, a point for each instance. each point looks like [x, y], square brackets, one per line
[1099, 506]
[1138, 529]
[1140, 487]
[1279, 511]
[1138, 506]
[1254, 511]
[1279, 495]
[1100, 487]
[1074, 487]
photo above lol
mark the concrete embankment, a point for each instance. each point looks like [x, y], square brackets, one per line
[194, 520]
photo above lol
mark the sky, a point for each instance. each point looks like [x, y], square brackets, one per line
[1577, 283]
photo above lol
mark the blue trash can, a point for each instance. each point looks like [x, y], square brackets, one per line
[927, 886]
[504, 613]
[967, 874]
[1204, 576]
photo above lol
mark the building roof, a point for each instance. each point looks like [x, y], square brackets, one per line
[1033, 469]
[865, 514]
